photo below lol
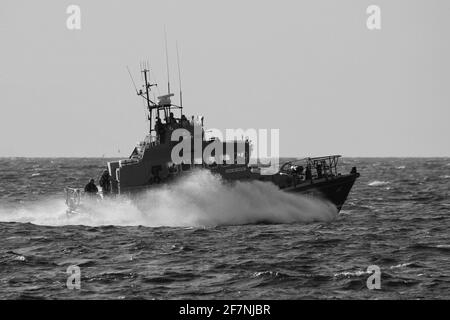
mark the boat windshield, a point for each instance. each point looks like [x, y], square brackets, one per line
[317, 167]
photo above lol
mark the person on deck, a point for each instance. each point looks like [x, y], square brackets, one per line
[319, 170]
[160, 130]
[91, 188]
[105, 182]
[172, 119]
[308, 174]
[184, 121]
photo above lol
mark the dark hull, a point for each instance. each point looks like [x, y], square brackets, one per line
[335, 190]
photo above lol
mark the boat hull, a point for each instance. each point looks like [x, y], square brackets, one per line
[335, 190]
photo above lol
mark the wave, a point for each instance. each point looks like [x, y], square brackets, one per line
[377, 183]
[402, 265]
[200, 199]
[348, 274]
[359, 273]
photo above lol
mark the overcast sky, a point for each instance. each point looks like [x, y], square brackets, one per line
[310, 68]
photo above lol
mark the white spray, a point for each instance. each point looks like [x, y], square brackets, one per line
[200, 199]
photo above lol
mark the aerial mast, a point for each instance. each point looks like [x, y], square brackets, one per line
[167, 61]
[179, 78]
[148, 100]
[150, 104]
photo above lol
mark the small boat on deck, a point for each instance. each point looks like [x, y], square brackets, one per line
[152, 163]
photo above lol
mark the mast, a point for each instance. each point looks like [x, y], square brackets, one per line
[147, 87]
[146, 95]
[179, 78]
[167, 61]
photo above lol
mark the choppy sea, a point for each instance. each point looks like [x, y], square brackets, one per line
[200, 238]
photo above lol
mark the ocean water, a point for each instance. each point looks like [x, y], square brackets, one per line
[201, 238]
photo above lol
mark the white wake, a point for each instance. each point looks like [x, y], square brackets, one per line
[200, 199]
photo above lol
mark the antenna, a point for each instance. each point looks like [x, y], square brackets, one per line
[132, 80]
[151, 85]
[179, 77]
[167, 61]
[145, 74]
[147, 87]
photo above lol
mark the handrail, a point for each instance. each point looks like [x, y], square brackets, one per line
[73, 196]
[334, 156]
[322, 165]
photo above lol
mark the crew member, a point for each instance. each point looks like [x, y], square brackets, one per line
[319, 170]
[91, 188]
[308, 174]
[160, 130]
[172, 121]
[105, 182]
[184, 121]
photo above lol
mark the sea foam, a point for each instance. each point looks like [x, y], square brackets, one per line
[199, 199]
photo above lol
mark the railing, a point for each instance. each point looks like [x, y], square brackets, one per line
[318, 167]
[328, 164]
[73, 197]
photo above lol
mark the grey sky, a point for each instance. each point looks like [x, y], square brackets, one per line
[310, 68]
